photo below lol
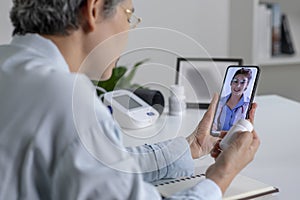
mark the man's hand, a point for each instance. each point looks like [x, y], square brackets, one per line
[233, 159]
[201, 142]
[216, 149]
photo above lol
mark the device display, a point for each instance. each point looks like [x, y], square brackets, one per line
[237, 93]
[127, 102]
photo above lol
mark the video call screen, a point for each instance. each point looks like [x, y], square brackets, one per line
[238, 87]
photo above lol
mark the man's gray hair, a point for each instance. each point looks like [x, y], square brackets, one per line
[51, 17]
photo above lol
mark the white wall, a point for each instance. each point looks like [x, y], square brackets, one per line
[205, 21]
[194, 28]
[185, 25]
[5, 26]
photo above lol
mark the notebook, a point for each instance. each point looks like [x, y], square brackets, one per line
[242, 187]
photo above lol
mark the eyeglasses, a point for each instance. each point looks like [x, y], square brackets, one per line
[132, 19]
[236, 81]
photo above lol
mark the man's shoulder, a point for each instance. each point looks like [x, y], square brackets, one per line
[63, 86]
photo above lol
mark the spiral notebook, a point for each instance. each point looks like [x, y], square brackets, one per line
[242, 187]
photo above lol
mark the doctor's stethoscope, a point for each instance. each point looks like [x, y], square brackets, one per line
[235, 110]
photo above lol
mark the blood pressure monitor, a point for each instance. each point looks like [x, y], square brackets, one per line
[129, 110]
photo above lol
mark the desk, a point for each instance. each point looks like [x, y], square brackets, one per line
[277, 161]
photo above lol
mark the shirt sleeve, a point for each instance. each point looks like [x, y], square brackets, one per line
[80, 176]
[205, 190]
[97, 166]
[168, 159]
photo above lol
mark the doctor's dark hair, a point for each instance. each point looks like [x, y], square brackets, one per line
[245, 72]
[52, 17]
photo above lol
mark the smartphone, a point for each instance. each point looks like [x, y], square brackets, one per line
[236, 96]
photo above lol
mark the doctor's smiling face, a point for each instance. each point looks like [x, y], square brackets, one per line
[240, 81]
[239, 84]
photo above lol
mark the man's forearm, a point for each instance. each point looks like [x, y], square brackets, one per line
[169, 159]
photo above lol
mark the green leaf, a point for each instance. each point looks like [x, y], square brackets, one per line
[110, 84]
[118, 80]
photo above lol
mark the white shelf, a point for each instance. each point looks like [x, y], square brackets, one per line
[243, 41]
[280, 60]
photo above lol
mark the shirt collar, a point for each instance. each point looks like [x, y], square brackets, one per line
[44, 47]
[239, 104]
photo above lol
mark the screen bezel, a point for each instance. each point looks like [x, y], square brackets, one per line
[252, 95]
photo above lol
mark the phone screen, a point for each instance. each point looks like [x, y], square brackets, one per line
[236, 96]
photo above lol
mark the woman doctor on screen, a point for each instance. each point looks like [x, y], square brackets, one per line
[234, 105]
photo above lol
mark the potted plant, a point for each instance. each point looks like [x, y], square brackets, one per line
[119, 79]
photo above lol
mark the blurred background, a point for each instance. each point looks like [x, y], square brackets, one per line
[199, 28]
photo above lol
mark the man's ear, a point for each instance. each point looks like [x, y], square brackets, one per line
[92, 14]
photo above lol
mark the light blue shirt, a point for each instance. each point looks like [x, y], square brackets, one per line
[58, 141]
[227, 117]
